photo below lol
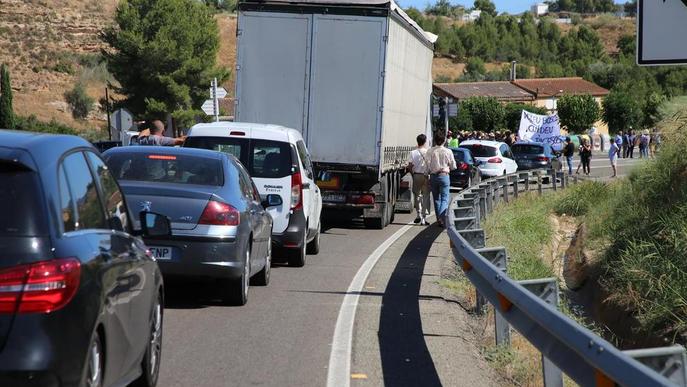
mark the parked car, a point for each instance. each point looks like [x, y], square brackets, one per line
[81, 301]
[220, 230]
[467, 172]
[532, 155]
[278, 161]
[495, 158]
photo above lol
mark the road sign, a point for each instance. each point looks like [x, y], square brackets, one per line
[221, 92]
[121, 120]
[662, 29]
[452, 109]
[208, 107]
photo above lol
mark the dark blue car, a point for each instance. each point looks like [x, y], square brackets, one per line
[81, 299]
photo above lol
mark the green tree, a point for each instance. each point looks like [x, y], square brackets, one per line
[474, 70]
[486, 113]
[578, 112]
[513, 113]
[621, 110]
[6, 111]
[163, 53]
[486, 6]
[80, 102]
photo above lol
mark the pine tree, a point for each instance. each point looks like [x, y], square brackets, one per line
[6, 112]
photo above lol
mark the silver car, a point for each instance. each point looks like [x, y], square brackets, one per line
[220, 229]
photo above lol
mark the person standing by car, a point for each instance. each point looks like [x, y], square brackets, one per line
[453, 140]
[569, 153]
[613, 157]
[441, 162]
[419, 168]
[156, 137]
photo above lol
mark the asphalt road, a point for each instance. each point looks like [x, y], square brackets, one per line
[282, 336]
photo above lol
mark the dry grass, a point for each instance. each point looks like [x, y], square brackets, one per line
[227, 48]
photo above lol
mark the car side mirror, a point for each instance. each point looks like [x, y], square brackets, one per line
[272, 200]
[154, 224]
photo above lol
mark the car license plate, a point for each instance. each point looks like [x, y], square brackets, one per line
[161, 253]
[334, 198]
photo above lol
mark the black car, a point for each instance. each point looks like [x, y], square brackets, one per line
[532, 155]
[466, 172]
[81, 300]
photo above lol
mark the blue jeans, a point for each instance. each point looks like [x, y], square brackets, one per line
[569, 159]
[440, 193]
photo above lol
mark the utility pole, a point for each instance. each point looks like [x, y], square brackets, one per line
[445, 116]
[107, 110]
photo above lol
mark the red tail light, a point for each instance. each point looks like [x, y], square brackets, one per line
[220, 214]
[363, 199]
[542, 158]
[463, 166]
[495, 160]
[296, 191]
[40, 287]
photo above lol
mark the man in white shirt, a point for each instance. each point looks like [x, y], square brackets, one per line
[419, 168]
[441, 162]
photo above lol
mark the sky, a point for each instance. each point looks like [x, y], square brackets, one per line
[510, 6]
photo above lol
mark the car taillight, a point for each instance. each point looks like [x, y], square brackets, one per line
[495, 160]
[363, 199]
[220, 214]
[542, 158]
[40, 287]
[463, 166]
[296, 191]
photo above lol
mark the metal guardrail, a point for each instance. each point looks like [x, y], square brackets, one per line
[531, 307]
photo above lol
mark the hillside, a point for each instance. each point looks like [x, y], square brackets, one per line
[51, 44]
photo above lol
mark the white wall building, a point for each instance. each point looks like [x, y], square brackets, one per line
[472, 16]
[539, 9]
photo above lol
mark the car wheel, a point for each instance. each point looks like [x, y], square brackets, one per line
[297, 257]
[95, 363]
[314, 245]
[151, 359]
[263, 277]
[236, 291]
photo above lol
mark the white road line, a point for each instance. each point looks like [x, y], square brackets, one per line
[339, 371]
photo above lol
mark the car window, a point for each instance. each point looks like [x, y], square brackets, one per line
[305, 158]
[527, 149]
[112, 196]
[262, 158]
[67, 213]
[20, 202]
[247, 187]
[460, 155]
[479, 150]
[89, 210]
[166, 168]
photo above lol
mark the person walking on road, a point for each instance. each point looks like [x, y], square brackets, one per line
[441, 162]
[633, 142]
[419, 168]
[569, 153]
[586, 156]
[613, 157]
[644, 145]
[156, 137]
[622, 142]
[453, 140]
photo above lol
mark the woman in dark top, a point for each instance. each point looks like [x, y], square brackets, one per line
[586, 156]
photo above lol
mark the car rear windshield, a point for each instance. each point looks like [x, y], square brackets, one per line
[527, 149]
[461, 155]
[166, 168]
[20, 202]
[262, 158]
[478, 150]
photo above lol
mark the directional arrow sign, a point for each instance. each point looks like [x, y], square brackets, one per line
[208, 107]
[221, 92]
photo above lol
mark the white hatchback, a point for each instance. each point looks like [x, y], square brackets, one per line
[279, 163]
[495, 158]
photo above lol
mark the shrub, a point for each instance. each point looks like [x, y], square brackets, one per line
[580, 198]
[32, 124]
[80, 102]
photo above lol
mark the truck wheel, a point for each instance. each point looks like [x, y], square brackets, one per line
[314, 245]
[297, 257]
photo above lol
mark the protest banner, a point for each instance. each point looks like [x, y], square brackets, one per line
[540, 128]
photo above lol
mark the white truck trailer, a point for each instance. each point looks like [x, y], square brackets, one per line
[354, 77]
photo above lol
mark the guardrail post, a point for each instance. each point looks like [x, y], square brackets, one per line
[547, 290]
[490, 198]
[505, 188]
[516, 186]
[564, 180]
[498, 257]
[482, 203]
[474, 237]
[540, 189]
[554, 181]
[527, 181]
[670, 362]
